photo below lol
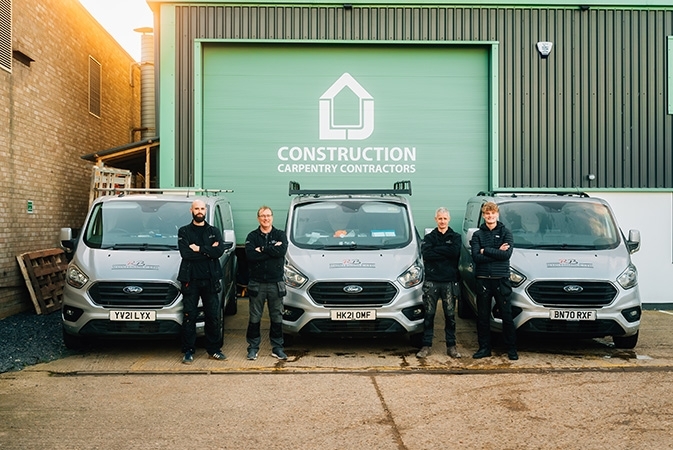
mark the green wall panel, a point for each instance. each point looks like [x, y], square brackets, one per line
[261, 122]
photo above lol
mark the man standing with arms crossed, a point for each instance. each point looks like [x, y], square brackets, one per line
[200, 275]
[265, 248]
[491, 247]
[441, 250]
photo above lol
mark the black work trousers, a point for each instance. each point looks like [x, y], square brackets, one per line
[499, 289]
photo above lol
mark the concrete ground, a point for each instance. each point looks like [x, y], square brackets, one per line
[395, 354]
[343, 394]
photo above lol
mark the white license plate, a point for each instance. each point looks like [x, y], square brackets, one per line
[133, 316]
[353, 314]
[572, 314]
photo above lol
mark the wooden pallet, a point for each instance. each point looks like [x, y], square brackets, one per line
[44, 272]
[106, 180]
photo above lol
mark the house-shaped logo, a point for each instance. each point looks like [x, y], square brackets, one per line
[357, 131]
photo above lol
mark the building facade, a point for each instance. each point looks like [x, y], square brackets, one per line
[66, 89]
[489, 95]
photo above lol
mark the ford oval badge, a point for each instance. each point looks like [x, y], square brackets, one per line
[352, 289]
[132, 290]
[573, 289]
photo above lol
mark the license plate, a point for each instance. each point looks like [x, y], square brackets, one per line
[353, 314]
[572, 314]
[133, 316]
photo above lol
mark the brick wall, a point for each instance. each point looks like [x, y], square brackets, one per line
[44, 109]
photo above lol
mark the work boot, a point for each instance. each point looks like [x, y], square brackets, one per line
[423, 352]
[512, 355]
[453, 352]
[482, 353]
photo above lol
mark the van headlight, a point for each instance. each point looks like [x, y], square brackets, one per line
[412, 276]
[75, 277]
[628, 278]
[293, 277]
[516, 277]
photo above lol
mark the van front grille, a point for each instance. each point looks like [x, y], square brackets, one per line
[572, 293]
[344, 293]
[133, 294]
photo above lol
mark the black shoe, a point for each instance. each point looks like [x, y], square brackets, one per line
[482, 353]
[512, 355]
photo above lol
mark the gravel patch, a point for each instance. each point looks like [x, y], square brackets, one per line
[27, 338]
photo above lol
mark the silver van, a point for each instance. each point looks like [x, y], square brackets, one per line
[571, 268]
[122, 279]
[353, 265]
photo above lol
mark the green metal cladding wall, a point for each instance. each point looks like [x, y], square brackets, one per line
[597, 105]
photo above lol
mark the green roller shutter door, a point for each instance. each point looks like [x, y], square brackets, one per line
[336, 115]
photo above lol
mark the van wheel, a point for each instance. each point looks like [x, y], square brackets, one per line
[627, 342]
[72, 342]
[288, 339]
[465, 310]
[416, 340]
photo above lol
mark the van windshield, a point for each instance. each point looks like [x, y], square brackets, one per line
[142, 225]
[560, 225]
[350, 224]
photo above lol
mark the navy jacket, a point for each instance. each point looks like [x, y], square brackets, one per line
[440, 256]
[493, 263]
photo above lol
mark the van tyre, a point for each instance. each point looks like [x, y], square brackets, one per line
[232, 305]
[626, 342]
[72, 342]
[416, 340]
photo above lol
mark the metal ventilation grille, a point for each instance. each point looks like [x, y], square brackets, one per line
[95, 80]
[6, 34]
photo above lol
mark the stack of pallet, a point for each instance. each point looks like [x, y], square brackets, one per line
[108, 181]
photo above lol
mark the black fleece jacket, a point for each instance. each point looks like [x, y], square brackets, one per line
[440, 256]
[206, 263]
[266, 266]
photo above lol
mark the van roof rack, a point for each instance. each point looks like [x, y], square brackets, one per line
[186, 191]
[516, 193]
[399, 187]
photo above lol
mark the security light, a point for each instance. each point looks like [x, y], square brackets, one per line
[544, 48]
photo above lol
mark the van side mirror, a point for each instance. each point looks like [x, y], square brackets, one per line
[67, 243]
[633, 243]
[229, 239]
[468, 236]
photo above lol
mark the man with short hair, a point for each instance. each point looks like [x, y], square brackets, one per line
[491, 247]
[440, 250]
[200, 275]
[265, 249]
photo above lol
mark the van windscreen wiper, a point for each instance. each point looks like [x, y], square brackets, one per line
[561, 247]
[141, 246]
[351, 246]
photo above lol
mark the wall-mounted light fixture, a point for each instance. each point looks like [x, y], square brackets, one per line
[544, 48]
[591, 177]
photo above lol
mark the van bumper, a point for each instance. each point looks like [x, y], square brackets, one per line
[620, 318]
[403, 315]
[80, 316]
